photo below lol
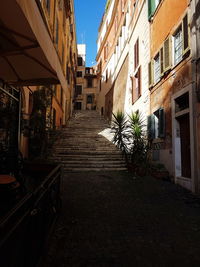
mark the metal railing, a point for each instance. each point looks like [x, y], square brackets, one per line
[25, 229]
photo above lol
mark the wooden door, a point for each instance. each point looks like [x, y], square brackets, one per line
[184, 123]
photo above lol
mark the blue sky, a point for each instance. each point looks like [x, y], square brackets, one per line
[88, 17]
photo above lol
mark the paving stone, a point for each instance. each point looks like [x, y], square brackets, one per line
[110, 219]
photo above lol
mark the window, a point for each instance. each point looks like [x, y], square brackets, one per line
[156, 124]
[89, 99]
[79, 74]
[136, 86]
[80, 61]
[157, 68]
[151, 75]
[178, 42]
[106, 75]
[89, 82]
[78, 90]
[136, 54]
[181, 41]
[47, 3]
[88, 70]
[77, 105]
[68, 74]
[106, 52]
[61, 97]
[57, 31]
[166, 57]
[152, 6]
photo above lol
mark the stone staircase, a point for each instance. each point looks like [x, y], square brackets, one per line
[82, 145]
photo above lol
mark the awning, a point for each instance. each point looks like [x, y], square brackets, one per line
[27, 53]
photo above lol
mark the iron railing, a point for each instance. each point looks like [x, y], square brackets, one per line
[25, 229]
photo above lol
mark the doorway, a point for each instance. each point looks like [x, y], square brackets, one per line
[184, 130]
[183, 146]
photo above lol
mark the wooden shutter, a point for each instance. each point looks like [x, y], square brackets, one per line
[136, 54]
[167, 55]
[151, 8]
[150, 70]
[139, 81]
[185, 35]
[161, 61]
[161, 123]
[133, 83]
[151, 126]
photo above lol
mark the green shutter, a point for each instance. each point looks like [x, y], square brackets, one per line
[161, 123]
[151, 126]
[151, 8]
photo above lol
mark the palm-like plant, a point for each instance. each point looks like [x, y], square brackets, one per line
[119, 128]
[138, 140]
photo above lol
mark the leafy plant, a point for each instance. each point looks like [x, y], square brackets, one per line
[138, 140]
[119, 128]
[38, 121]
[130, 138]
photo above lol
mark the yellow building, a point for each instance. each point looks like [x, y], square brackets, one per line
[37, 48]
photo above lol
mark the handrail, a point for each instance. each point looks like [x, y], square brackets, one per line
[31, 219]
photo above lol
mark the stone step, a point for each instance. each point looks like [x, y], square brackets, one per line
[65, 169]
[81, 147]
[92, 163]
[87, 157]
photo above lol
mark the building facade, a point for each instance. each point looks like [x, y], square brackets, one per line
[38, 50]
[173, 99]
[148, 60]
[122, 58]
[85, 95]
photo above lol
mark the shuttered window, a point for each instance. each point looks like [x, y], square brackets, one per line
[181, 41]
[150, 68]
[136, 86]
[162, 61]
[161, 123]
[152, 5]
[151, 126]
[167, 55]
[151, 8]
[157, 68]
[156, 124]
[185, 34]
[136, 54]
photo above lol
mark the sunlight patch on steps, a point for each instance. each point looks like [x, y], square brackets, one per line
[107, 134]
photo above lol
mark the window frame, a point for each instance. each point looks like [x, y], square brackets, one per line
[136, 85]
[76, 89]
[156, 124]
[158, 76]
[136, 54]
[79, 72]
[183, 27]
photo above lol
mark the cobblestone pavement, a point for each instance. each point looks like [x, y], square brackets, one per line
[114, 219]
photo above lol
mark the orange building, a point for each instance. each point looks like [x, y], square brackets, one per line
[112, 57]
[172, 98]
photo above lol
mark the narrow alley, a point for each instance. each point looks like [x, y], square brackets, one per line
[100, 133]
[112, 218]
